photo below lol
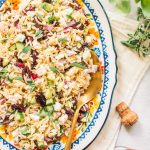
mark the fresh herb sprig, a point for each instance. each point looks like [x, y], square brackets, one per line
[140, 40]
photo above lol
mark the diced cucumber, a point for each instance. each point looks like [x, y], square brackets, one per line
[49, 101]
[10, 79]
[51, 19]
[50, 109]
[20, 116]
[12, 48]
[18, 78]
[40, 144]
[5, 62]
[20, 46]
[84, 119]
[48, 93]
[26, 49]
[50, 82]
[43, 113]
[47, 7]
[25, 130]
[32, 100]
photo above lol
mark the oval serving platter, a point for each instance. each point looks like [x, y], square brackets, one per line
[99, 106]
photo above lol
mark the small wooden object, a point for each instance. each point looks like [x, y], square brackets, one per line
[128, 117]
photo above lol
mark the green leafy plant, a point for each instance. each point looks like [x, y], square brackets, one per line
[139, 41]
[125, 5]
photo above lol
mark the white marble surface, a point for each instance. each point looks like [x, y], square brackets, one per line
[138, 136]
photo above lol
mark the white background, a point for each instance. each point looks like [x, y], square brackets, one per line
[138, 136]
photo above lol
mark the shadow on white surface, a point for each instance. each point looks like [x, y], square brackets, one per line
[138, 136]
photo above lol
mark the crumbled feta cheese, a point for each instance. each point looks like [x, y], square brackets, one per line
[87, 71]
[68, 11]
[42, 70]
[66, 86]
[51, 76]
[69, 53]
[16, 16]
[60, 55]
[31, 13]
[53, 132]
[63, 119]
[94, 68]
[14, 98]
[63, 22]
[72, 71]
[72, 84]
[57, 106]
[78, 38]
[15, 133]
[86, 55]
[34, 117]
[24, 56]
[35, 43]
[60, 86]
[42, 128]
[20, 37]
[39, 81]
[88, 39]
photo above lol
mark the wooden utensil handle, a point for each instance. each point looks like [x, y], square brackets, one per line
[70, 137]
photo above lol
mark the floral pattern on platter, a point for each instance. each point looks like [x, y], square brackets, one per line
[95, 106]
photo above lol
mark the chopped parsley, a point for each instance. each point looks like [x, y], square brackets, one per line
[26, 49]
[54, 69]
[63, 39]
[78, 65]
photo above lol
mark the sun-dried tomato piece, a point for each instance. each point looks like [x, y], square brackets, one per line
[1, 62]
[6, 120]
[18, 107]
[34, 55]
[40, 98]
[27, 71]
[34, 76]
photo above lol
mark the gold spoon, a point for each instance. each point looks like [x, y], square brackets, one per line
[90, 93]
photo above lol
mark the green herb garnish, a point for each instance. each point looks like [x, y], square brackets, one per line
[78, 65]
[41, 145]
[3, 72]
[38, 33]
[63, 39]
[69, 16]
[87, 15]
[10, 79]
[18, 78]
[27, 49]
[51, 19]
[54, 69]
[32, 84]
[140, 40]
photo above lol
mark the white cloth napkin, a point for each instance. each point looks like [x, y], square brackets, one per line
[131, 69]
